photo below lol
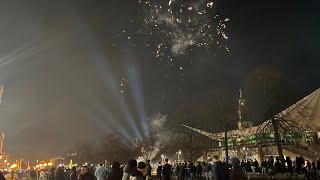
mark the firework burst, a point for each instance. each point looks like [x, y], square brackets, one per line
[179, 26]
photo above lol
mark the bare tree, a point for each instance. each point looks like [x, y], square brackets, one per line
[271, 91]
[223, 108]
[186, 139]
[115, 147]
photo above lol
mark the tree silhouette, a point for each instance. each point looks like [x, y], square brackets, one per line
[223, 108]
[268, 92]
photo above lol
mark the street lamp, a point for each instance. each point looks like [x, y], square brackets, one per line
[162, 157]
[179, 153]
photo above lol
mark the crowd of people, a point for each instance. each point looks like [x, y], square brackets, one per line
[296, 167]
[214, 169]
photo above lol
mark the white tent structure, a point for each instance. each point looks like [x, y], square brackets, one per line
[304, 113]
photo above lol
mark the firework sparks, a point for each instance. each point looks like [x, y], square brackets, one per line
[179, 26]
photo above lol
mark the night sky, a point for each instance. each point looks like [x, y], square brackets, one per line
[61, 66]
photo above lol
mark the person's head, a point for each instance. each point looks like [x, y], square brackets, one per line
[100, 164]
[148, 161]
[142, 168]
[166, 160]
[159, 163]
[132, 166]
[84, 170]
[132, 163]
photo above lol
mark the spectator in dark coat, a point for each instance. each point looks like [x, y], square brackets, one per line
[85, 174]
[237, 170]
[116, 172]
[166, 170]
[199, 171]
[129, 169]
[159, 169]
[182, 172]
[193, 171]
[33, 174]
[59, 174]
[73, 174]
[289, 164]
[52, 174]
[277, 165]
[149, 169]
[140, 172]
[221, 171]
[256, 166]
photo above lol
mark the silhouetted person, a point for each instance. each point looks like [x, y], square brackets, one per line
[116, 172]
[243, 164]
[59, 174]
[129, 169]
[166, 170]
[199, 171]
[52, 174]
[159, 169]
[182, 172]
[277, 165]
[73, 174]
[237, 170]
[289, 164]
[85, 174]
[309, 166]
[149, 169]
[100, 172]
[193, 171]
[256, 166]
[33, 174]
[140, 172]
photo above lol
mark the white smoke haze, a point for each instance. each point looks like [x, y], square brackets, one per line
[157, 123]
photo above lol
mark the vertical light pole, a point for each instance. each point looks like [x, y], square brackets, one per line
[162, 158]
[2, 133]
[179, 153]
[1, 92]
